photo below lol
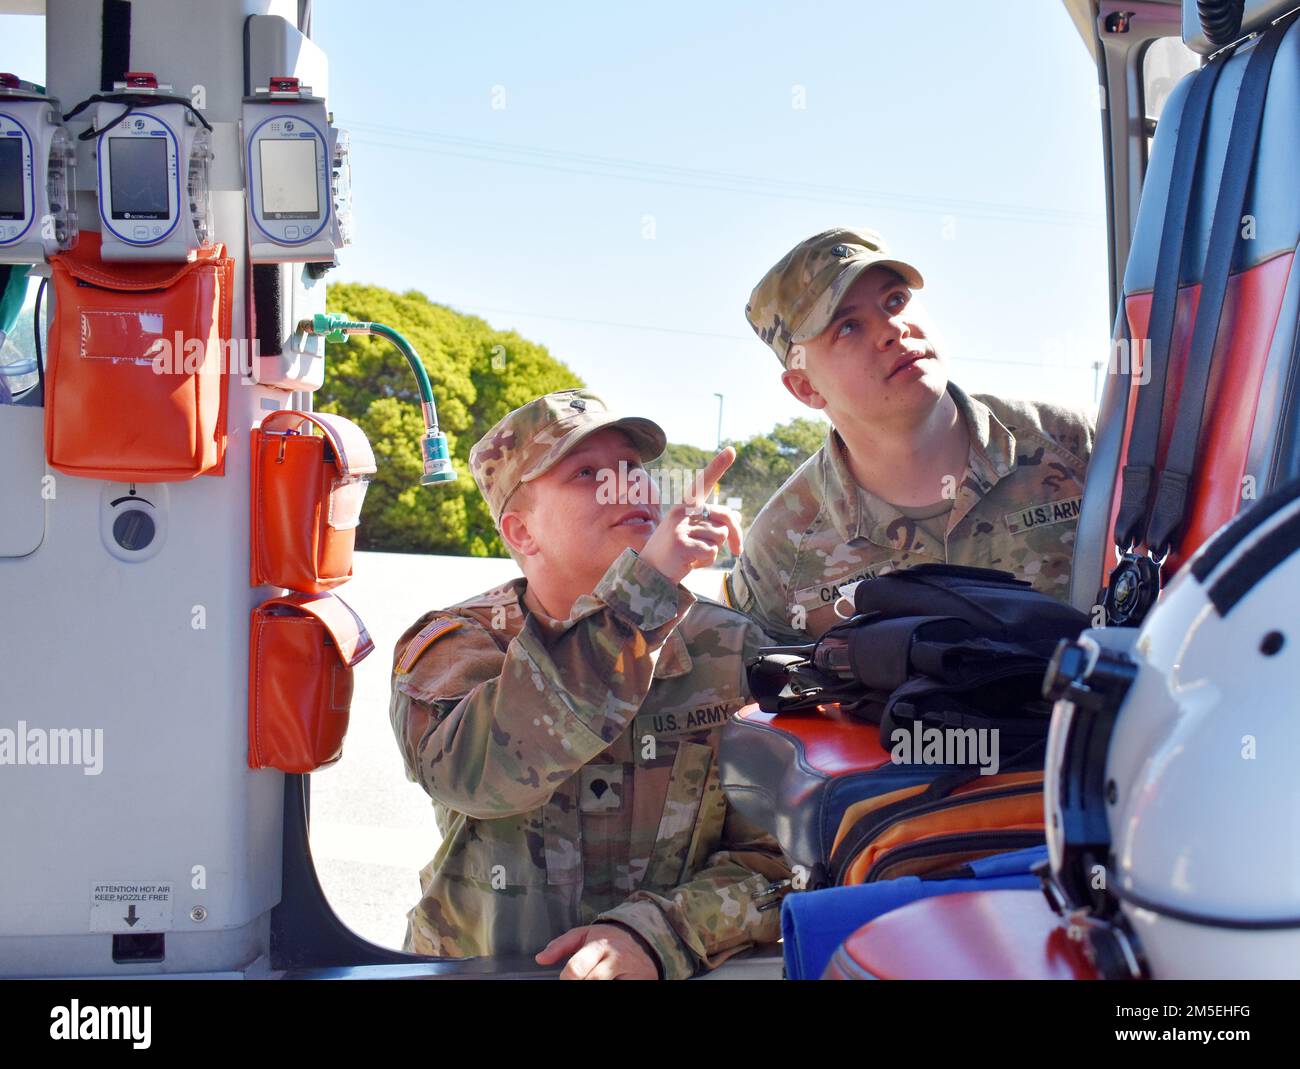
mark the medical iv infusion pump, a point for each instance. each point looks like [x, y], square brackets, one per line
[151, 155]
[297, 173]
[152, 151]
[37, 175]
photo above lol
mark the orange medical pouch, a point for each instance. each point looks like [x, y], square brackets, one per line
[136, 383]
[301, 652]
[933, 830]
[307, 496]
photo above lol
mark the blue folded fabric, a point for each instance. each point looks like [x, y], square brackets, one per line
[815, 923]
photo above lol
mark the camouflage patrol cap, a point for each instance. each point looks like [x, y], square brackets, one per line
[530, 440]
[797, 298]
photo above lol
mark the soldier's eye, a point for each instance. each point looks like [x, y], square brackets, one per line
[846, 328]
[900, 297]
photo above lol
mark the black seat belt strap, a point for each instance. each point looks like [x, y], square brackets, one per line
[1139, 465]
[115, 43]
[1168, 510]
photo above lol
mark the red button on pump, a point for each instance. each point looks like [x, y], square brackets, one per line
[140, 80]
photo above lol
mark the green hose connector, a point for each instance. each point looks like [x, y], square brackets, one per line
[437, 460]
[325, 323]
[433, 445]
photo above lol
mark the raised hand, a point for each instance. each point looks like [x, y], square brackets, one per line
[690, 534]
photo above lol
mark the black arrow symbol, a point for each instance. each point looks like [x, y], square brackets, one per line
[130, 917]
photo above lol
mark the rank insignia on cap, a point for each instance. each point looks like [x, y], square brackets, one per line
[840, 251]
[579, 404]
[426, 637]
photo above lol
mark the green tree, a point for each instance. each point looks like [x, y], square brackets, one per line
[478, 375]
[683, 458]
[765, 461]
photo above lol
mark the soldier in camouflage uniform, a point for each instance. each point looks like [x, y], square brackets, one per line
[913, 469]
[566, 724]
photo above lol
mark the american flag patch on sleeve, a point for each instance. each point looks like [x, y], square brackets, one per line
[426, 637]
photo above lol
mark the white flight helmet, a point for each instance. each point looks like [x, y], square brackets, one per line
[1173, 767]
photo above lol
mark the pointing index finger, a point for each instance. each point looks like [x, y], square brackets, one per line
[708, 478]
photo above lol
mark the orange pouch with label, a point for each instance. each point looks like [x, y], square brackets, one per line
[136, 384]
[302, 649]
[307, 496]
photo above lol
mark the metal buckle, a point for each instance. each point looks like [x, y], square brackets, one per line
[1133, 589]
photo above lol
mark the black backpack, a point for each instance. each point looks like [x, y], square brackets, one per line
[939, 645]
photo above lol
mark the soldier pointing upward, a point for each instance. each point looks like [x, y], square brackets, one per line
[913, 470]
[566, 724]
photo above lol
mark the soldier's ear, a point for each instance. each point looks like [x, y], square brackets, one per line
[801, 388]
[514, 529]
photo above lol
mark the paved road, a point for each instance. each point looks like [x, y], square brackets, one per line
[372, 830]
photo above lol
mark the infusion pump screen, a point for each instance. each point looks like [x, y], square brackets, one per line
[139, 177]
[289, 182]
[11, 178]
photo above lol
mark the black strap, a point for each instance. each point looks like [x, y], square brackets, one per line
[114, 43]
[130, 101]
[1028, 759]
[1256, 563]
[37, 334]
[1169, 508]
[268, 308]
[1140, 462]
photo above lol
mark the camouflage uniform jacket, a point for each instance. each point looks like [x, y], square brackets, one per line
[1016, 508]
[573, 767]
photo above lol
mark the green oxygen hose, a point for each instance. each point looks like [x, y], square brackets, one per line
[433, 445]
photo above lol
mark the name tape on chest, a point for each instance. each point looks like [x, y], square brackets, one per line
[1044, 515]
[424, 638]
[828, 592]
[685, 721]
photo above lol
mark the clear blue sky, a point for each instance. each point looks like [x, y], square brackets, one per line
[650, 164]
